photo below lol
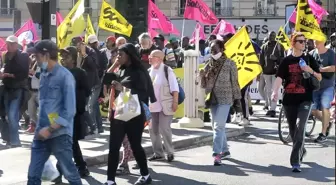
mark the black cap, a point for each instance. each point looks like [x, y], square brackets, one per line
[71, 50]
[160, 37]
[76, 40]
[43, 46]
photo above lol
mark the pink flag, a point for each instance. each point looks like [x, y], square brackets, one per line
[317, 10]
[156, 19]
[27, 33]
[201, 33]
[59, 18]
[223, 28]
[152, 32]
[172, 28]
[198, 10]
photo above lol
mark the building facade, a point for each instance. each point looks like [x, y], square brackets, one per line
[260, 16]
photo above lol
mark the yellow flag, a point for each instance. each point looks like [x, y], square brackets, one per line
[111, 20]
[307, 23]
[283, 39]
[240, 49]
[89, 28]
[70, 28]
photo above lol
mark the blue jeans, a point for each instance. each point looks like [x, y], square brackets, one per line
[61, 148]
[219, 115]
[93, 105]
[322, 98]
[12, 103]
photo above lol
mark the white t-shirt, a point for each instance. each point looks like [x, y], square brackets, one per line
[159, 80]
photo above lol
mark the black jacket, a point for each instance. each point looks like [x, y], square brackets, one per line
[269, 65]
[83, 90]
[90, 65]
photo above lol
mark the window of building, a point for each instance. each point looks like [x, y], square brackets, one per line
[265, 7]
[86, 3]
[223, 7]
[181, 7]
[7, 7]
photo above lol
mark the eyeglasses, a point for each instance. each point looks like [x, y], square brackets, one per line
[301, 41]
[153, 57]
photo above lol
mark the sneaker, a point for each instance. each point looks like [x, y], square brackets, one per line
[304, 153]
[272, 113]
[237, 118]
[84, 172]
[217, 160]
[225, 155]
[244, 122]
[321, 138]
[123, 170]
[170, 157]
[106, 183]
[155, 158]
[265, 108]
[251, 111]
[142, 180]
[296, 169]
[136, 167]
[58, 180]
[100, 131]
[328, 129]
[31, 128]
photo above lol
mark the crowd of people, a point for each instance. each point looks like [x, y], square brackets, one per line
[58, 92]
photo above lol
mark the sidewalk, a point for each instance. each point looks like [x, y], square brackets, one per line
[14, 162]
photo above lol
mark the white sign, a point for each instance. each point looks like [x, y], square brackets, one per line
[53, 21]
[255, 27]
[53, 39]
[254, 91]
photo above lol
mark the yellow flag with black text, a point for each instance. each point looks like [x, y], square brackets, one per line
[283, 39]
[70, 27]
[307, 23]
[89, 28]
[240, 49]
[111, 20]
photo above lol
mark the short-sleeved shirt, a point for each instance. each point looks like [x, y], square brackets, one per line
[296, 90]
[324, 60]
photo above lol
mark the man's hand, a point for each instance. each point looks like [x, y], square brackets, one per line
[174, 106]
[44, 133]
[274, 96]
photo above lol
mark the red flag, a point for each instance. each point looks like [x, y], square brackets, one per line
[199, 11]
[172, 28]
[2, 45]
[27, 33]
[223, 28]
[201, 33]
[59, 19]
[156, 19]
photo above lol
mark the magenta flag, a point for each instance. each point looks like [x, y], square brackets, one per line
[172, 28]
[201, 33]
[59, 19]
[2, 45]
[223, 28]
[317, 10]
[27, 33]
[156, 19]
[198, 10]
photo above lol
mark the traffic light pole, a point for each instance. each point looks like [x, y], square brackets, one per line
[48, 24]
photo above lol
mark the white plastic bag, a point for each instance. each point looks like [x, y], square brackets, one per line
[127, 106]
[50, 171]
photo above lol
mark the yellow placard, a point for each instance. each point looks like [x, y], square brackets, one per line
[111, 20]
[307, 23]
[240, 49]
[52, 117]
[283, 39]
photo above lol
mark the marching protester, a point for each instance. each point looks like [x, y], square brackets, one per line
[326, 59]
[15, 88]
[146, 47]
[69, 60]
[220, 79]
[133, 75]
[271, 56]
[57, 108]
[169, 57]
[294, 71]
[166, 91]
[332, 44]
[177, 50]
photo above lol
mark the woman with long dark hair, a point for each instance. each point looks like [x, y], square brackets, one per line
[134, 76]
[297, 101]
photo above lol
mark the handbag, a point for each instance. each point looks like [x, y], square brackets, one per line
[210, 98]
[127, 106]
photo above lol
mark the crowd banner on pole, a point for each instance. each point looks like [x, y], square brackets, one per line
[240, 49]
[27, 33]
[201, 34]
[156, 19]
[307, 23]
[283, 39]
[111, 20]
[198, 10]
[223, 28]
[89, 28]
[172, 28]
[317, 10]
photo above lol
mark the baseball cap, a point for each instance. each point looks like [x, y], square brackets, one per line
[111, 38]
[92, 39]
[43, 46]
[333, 35]
[12, 39]
[76, 40]
[71, 50]
[160, 37]
[173, 39]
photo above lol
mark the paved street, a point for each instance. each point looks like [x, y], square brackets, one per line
[258, 158]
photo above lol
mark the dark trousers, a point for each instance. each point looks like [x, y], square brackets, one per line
[297, 131]
[134, 129]
[80, 130]
[78, 156]
[244, 101]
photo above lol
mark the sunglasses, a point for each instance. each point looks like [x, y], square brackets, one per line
[300, 41]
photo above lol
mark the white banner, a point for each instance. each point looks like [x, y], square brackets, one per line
[254, 91]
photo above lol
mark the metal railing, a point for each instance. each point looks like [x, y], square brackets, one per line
[223, 11]
[261, 11]
[6, 12]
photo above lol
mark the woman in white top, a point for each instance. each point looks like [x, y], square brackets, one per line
[166, 91]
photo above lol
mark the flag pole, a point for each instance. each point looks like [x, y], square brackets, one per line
[276, 44]
[182, 30]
